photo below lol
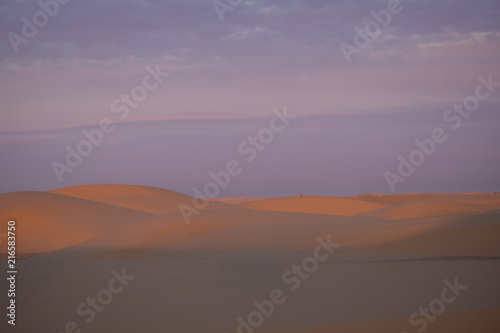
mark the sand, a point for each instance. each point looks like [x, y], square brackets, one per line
[316, 205]
[393, 255]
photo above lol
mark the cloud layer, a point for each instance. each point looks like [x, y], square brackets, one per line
[264, 53]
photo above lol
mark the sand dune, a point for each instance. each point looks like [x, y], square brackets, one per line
[237, 200]
[426, 208]
[315, 205]
[48, 221]
[57, 219]
[394, 199]
[395, 252]
[266, 231]
[481, 201]
[143, 198]
[473, 235]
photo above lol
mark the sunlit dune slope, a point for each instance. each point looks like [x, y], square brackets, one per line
[315, 205]
[481, 201]
[144, 198]
[49, 221]
[394, 199]
[411, 206]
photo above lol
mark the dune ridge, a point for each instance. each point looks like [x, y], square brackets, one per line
[143, 198]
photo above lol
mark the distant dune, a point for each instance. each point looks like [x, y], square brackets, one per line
[393, 254]
[316, 205]
[237, 200]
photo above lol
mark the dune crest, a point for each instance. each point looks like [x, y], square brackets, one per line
[144, 198]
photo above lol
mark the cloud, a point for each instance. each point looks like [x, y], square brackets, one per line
[264, 53]
[191, 31]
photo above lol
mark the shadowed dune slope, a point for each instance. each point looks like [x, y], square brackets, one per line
[426, 208]
[472, 235]
[228, 231]
[49, 221]
[316, 205]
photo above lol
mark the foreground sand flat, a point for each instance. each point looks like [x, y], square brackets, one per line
[393, 257]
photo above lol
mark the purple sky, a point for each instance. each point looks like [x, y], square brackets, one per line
[226, 77]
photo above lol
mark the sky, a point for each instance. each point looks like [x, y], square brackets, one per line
[224, 66]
